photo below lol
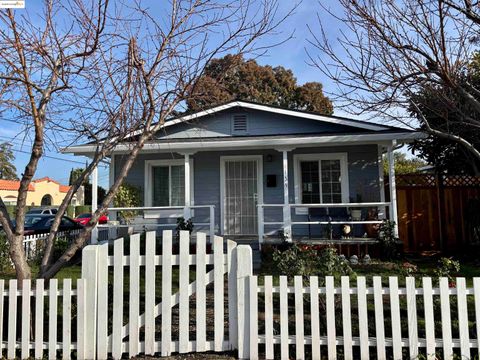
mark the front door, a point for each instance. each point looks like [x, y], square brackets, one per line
[241, 192]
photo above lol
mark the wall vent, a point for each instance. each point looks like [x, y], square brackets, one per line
[239, 123]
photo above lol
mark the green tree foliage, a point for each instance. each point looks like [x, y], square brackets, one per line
[404, 165]
[101, 192]
[233, 77]
[75, 174]
[7, 169]
[127, 196]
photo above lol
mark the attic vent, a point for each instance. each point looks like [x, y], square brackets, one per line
[240, 124]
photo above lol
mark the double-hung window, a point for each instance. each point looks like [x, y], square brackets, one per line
[165, 183]
[321, 178]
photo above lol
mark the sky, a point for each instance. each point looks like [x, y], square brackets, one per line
[291, 54]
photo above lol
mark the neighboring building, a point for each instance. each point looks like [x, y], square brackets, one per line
[258, 172]
[41, 192]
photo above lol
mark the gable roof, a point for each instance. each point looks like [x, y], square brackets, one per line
[360, 124]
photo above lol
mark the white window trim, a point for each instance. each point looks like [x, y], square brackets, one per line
[149, 164]
[223, 159]
[232, 125]
[317, 157]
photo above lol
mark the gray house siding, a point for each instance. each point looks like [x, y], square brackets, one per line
[259, 123]
[362, 172]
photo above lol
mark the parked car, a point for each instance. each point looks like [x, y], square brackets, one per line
[83, 219]
[41, 224]
[47, 211]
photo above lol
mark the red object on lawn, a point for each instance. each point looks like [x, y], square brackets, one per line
[83, 219]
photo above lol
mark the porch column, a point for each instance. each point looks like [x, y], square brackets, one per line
[112, 215]
[381, 182]
[393, 189]
[94, 176]
[186, 209]
[287, 216]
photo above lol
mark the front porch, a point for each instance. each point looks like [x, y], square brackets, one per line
[233, 195]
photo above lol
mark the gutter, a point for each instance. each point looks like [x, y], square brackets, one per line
[252, 143]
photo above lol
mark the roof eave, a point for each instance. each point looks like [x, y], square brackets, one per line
[250, 143]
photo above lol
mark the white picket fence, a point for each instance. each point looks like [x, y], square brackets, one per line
[125, 305]
[134, 331]
[39, 322]
[329, 301]
[32, 242]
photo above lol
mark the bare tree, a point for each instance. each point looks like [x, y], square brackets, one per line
[132, 77]
[388, 51]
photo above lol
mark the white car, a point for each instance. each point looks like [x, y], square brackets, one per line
[43, 211]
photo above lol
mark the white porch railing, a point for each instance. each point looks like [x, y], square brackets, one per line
[152, 214]
[287, 223]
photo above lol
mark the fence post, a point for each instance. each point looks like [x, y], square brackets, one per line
[244, 271]
[232, 294]
[89, 274]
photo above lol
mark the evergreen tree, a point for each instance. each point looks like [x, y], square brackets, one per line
[7, 169]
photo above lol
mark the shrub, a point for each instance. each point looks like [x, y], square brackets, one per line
[5, 262]
[127, 196]
[183, 225]
[296, 260]
[447, 267]
[307, 260]
[388, 241]
[330, 264]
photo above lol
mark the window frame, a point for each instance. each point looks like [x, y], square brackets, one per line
[150, 164]
[298, 158]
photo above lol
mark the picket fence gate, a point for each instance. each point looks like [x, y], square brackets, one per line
[107, 315]
[96, 263]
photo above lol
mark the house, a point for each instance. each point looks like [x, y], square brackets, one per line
[41, 192]
[263, 173]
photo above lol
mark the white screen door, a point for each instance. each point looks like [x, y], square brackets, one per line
[240, 196]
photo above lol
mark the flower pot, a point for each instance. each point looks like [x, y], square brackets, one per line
[356, 214]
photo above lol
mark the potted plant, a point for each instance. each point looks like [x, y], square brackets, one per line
[356, 213]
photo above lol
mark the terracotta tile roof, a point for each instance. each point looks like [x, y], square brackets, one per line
[46, 178]
[64, 188]
[13, 185]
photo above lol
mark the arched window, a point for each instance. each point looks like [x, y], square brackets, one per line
[46, 200]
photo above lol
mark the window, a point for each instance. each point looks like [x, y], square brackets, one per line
[165, 182]
[239, 124]
[168, 185]
[321, 178]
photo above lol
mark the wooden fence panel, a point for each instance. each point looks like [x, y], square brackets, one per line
[438, 213]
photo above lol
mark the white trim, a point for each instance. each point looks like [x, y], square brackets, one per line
[148, 177]
[392, 186]
[111, 171]
[345, 184]
[257, 143]
[223, 159]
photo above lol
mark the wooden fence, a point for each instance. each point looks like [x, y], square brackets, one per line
[438, 213]
[127, 304]
[315, 322]
[43, 321]
[150, 300]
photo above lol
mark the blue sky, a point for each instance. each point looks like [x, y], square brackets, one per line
[291, 55]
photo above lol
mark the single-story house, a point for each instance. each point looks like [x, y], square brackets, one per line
[245, 170]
